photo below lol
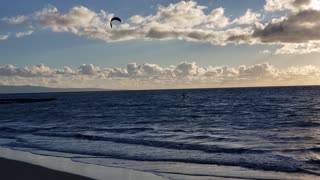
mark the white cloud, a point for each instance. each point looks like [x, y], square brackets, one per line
[180, 15]
[4, 37]
[15, 20]
[77, 17]
[292, 5]
[136, 19]
[299, 48]
[22, 34]
[88, 69]
[216, 19]
[258, 71]
[277, 5]
[248, 18]
[266, 51]
[35, 71]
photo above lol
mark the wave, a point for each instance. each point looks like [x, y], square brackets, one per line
[15, 130]
[155, 143]
[124, 130]
[258, 162]
[301, 124]
[23, 130]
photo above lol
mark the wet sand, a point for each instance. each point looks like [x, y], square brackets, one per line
[16, 170]
[19, 165]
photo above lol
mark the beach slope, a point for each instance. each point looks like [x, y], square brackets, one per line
[16, 170]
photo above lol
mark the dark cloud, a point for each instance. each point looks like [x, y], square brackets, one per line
[299, 3]
[300, 27]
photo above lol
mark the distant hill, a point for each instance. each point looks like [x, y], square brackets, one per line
[39, 89]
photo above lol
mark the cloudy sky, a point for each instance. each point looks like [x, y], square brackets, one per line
[159, 44]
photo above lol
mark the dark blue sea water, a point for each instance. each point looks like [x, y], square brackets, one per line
[270, 129]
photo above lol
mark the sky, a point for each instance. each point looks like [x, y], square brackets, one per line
[159, 44]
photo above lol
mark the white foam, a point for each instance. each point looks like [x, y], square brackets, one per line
[190, 171]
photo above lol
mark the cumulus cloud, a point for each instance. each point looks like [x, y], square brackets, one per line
[297, 31]
[145, 76]
[183, 20]
[248, 18]
[77, 17]
[136, 19]
[216, 19]
[22, 34]
[180, 15]
[299, 27]
[258, 71]
[189, 21]
[88, 69]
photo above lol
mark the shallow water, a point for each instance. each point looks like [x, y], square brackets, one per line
[270, 129]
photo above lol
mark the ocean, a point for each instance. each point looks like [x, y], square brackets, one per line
[266, 133]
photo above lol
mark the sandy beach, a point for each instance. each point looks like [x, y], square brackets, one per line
[21, 164]
[16, 170]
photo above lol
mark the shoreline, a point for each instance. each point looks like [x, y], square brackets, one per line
[22, 164]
